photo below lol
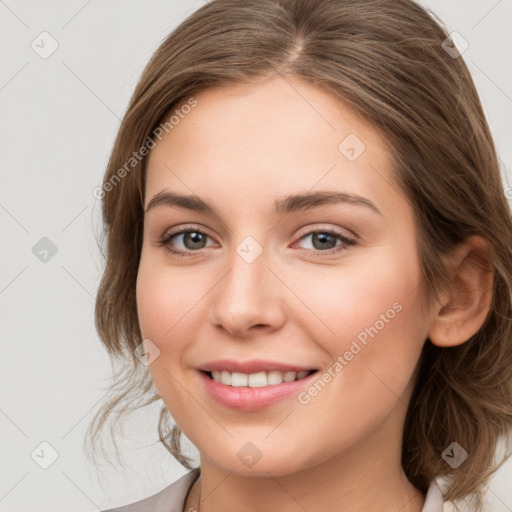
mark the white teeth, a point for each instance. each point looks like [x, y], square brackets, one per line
[256, 380]
[239, 379]
[225, 378]
[274, 378]
[289, 376]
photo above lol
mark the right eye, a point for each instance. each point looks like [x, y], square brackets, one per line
[190, 240]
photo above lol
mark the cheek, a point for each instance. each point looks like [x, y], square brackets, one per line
[172, 307]
[164, 306]
[373, 340]
[371, 317]
[164, 298]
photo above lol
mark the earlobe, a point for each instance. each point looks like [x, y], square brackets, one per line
[467, 298]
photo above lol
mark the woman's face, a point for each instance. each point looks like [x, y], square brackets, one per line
[277, 274]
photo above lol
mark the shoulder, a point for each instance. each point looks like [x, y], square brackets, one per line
[169, 499]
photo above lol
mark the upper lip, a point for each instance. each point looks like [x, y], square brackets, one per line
[251, 366]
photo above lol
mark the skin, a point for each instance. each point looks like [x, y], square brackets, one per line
[239, 149]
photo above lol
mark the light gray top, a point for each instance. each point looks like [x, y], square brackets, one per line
[172, 498]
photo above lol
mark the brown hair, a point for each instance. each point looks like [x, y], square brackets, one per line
[384, 59]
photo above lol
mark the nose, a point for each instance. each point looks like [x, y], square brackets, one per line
[248, 299]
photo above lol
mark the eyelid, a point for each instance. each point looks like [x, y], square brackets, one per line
[306, 231]
[325, 228]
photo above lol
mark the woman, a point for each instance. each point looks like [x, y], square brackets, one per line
[308, 247]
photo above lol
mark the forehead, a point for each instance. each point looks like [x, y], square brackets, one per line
[269, 138]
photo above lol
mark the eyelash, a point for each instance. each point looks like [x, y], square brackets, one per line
[165, 241]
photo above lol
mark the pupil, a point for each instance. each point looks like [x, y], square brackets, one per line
[323, 238]
[196, 239]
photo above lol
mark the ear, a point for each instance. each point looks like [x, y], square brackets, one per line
[466, 299]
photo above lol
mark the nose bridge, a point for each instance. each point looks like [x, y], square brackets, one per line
[248, 294]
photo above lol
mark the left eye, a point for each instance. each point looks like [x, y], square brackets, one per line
[325, 240]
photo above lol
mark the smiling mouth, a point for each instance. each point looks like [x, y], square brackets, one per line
[256, 380]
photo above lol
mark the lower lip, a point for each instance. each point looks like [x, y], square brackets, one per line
[252, 399]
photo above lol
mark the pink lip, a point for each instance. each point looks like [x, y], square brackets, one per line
[252, 366]
[252, 399]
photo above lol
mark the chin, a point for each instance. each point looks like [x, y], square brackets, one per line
[252, 461]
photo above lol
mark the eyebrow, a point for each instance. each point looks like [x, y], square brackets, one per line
[292, 203]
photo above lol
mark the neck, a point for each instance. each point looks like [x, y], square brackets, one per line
[367, 476]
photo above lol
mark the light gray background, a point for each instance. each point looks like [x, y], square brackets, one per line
[60, 116]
